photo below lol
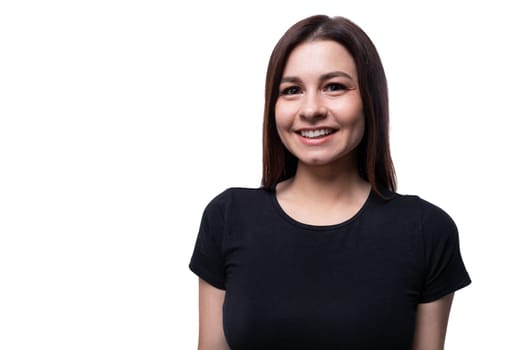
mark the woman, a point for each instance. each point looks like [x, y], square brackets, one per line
[325, 255]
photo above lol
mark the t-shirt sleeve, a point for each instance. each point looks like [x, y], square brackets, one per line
[445, 271]
[207, 260]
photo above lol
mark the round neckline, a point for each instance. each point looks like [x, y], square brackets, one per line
[277, 206]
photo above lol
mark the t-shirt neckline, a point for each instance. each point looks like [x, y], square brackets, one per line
[331, 227]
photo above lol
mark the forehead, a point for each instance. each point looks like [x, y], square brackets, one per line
[319, 57]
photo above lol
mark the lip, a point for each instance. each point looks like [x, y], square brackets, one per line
[299, 130]
[318, 140]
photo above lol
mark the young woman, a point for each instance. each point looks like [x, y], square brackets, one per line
[325, 255]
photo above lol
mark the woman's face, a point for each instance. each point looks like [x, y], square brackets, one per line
[319, 112]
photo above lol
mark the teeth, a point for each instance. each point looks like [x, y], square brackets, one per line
[315, 133]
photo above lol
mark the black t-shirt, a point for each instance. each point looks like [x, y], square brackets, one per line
[353, 285]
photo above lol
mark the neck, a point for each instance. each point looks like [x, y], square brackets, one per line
[328, 184]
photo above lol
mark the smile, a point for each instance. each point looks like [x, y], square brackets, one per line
[317, 133]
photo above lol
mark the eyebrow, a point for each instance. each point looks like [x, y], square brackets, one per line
[323, 77]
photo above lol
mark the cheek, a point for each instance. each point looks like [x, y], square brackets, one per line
[358, 131]
[283, 115]
[351, 108]
[360, 128]
[353, 118]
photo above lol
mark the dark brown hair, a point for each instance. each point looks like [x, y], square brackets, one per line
[373, 153]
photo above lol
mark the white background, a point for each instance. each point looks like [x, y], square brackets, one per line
[120, 120]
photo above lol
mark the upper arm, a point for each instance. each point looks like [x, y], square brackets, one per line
[211, 332]
[431, 324]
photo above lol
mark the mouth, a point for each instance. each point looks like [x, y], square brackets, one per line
[316, 133]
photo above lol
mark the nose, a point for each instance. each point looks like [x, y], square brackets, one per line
[312, 107]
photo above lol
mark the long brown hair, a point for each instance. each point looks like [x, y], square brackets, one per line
[373, 153]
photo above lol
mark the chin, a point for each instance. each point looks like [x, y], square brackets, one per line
[317, 162]
[325, 161]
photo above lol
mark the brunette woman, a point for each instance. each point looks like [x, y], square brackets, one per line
[325, 254]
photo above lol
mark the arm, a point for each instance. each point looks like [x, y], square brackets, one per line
[211, 333]
[431, 324]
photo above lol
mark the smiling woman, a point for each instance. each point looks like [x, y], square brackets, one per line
[319, 114]
[325, 254]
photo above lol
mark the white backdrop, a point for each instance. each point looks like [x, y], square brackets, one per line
[120, 120]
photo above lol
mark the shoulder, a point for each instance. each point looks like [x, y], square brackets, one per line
[236, 207]
[410, 209]
[430, 212]
[433, 221]
[239, 194]
[237, 197]
[414, 204]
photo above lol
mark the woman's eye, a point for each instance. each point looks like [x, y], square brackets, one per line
[335, 87]
[332, 87]
[292, 90]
